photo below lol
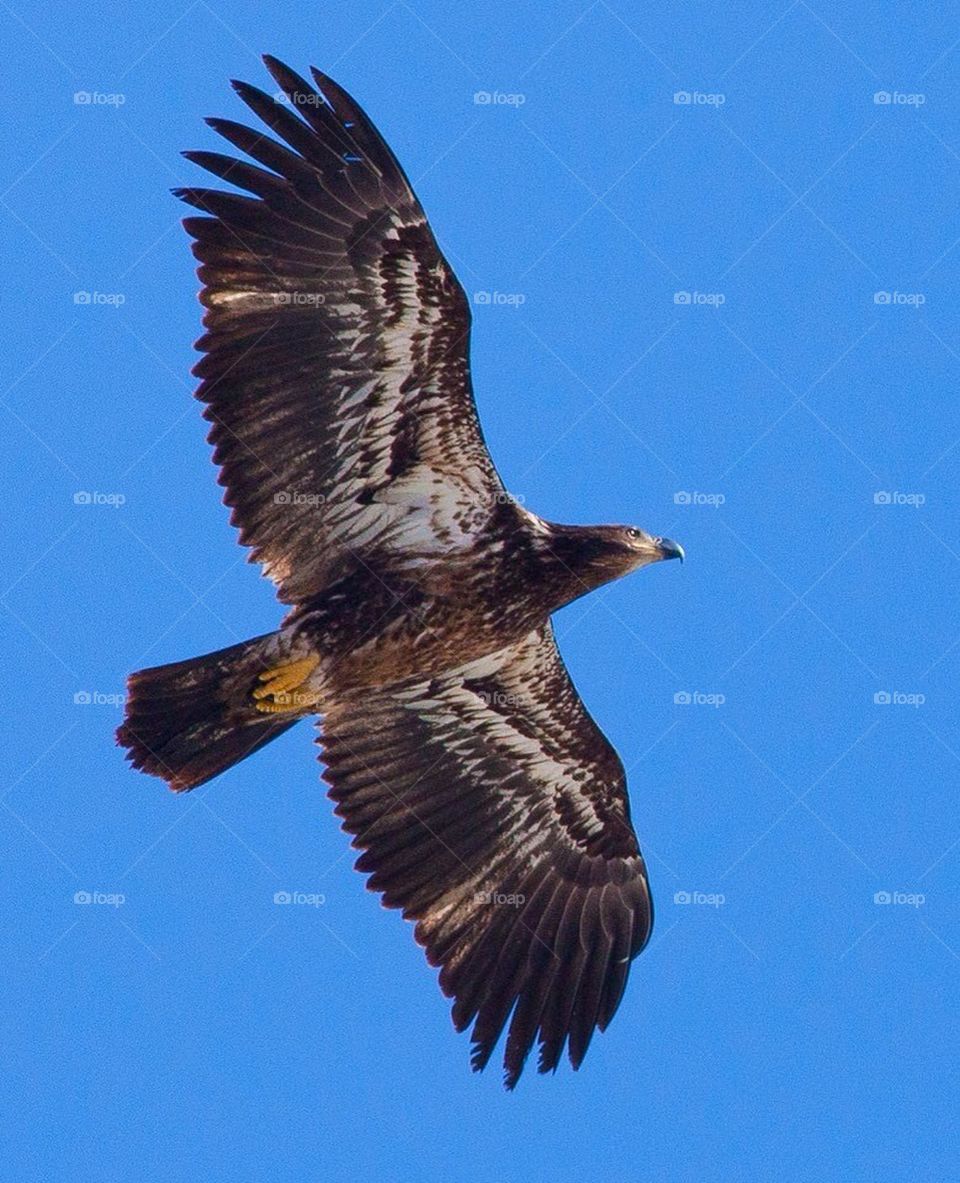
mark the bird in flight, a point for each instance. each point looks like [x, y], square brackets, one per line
[486, 802]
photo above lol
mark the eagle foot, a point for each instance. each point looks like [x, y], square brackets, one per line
[279, 688]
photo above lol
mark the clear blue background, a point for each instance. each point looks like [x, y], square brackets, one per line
[795, 1030]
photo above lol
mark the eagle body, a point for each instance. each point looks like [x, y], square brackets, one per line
[379, 624]
[486, 803]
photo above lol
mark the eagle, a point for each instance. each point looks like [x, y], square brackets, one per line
[486, 802]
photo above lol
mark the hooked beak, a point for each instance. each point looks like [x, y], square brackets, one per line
[669, 549]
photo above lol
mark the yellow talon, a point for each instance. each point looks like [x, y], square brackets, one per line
[278, 682]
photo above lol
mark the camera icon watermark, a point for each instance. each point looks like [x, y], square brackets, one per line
[500, 299]
[97, 698]
[686, 698]
[685, 497]
[303, 899]
[111, 899]
[698, 98]
[498, 98]
[98, 98]
[296, 497]
[709, 899]
[86, 299]
[909, 899]
[699, 299]
[897, 698]
[898, 98]
[500, 899]
[298, 299]
[904, 299]
[895, 497]
[300, 100]
[88, 497]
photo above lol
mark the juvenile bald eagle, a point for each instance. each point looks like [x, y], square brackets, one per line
[488, 805]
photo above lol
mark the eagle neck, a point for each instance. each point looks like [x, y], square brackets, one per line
[570, 561]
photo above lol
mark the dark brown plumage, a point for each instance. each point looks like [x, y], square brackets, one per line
[488, 805]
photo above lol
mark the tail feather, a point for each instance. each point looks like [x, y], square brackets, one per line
[189, 721]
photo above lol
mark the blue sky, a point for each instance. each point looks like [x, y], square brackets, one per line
[723, 242]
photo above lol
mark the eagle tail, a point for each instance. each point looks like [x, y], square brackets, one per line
[189, 721]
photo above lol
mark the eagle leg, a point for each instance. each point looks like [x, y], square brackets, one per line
[280, 687]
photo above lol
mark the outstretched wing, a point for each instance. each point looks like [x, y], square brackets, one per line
[336, 373]
[493, 811]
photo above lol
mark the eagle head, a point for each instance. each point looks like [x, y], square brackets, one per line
[618, 550]
[584, 557]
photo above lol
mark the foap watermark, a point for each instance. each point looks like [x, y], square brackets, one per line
[686, 497]
[500, 899]
[498, 98]
[700, 299]
[293, 699]
[500, 299]
[898, 698]
[98, 98]
[92, 497]
[98, 698]
[99, 299]
[910, 899]
[308, 99]
[698, 98]
[697, 698]
[112, 899]
[709, 899]
[299, 299]
[295, 497]
[303, 899]
[503, 701]
[898, 98]
[502, 497]
[904, 299]
[895, 497]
